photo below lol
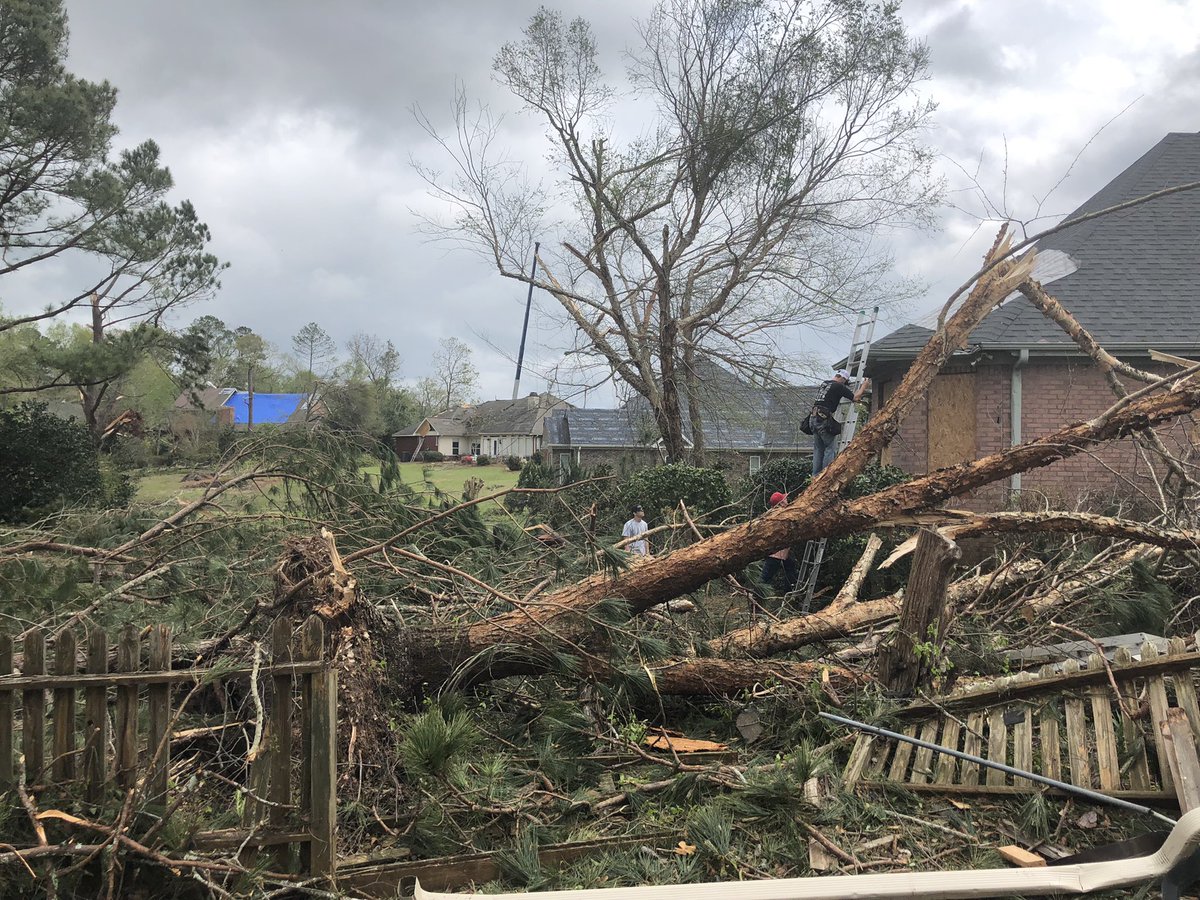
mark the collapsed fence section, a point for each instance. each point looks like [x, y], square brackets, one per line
[1103, 727]
[117, 744]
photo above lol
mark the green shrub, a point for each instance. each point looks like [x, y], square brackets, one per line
[513, 463]
[432, 456]
[483, 460]
[788, 475]
[44, 461]
[580, 494]
[662, 487]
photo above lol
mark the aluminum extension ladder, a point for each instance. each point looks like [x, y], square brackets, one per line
[856, 361]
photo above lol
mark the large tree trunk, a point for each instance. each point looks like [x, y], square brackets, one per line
[563, 618]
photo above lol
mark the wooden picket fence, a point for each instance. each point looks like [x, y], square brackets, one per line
[120, 736]
[1067, 725]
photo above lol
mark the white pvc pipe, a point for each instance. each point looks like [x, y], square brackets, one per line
[1183, 841]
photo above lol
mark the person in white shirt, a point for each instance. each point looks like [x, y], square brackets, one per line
[635, 527]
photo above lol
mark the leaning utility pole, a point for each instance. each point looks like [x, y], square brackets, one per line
[525, 327]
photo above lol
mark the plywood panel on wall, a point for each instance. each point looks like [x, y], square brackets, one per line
[951, 420]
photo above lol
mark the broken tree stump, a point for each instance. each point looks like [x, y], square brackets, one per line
[905, 663]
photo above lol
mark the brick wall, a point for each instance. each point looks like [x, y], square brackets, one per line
[909, 449]
[1054, 393]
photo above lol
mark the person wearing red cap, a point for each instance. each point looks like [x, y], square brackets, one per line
[780, 558]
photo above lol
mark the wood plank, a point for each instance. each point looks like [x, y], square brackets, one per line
[62, 766]
[997, 745]
[858, 758]
[1077, 734]
[1011, 790]
[1049, 743]
[973, 744]
[878, 759]
[158, 745]
[1108, 761]
[305, 652]
[1156, 692]
[1007, 691]
[1185, 688]
[1133, 740]
[323, 726]
[235, 838]
[1182, 759]
[279, 790]
[922, 771]
[95, 715]
[6, 715]
[119, 679]
[1019, 856]
[946, 765]
[899, 768]
[33, 707]
[1022, 734]
[450, 872]
[128, 653]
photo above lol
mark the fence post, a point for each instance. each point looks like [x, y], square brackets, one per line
[63, 763]
[6, 714]
[280, 788]
[321, 726]
[128, 651]
[95, 713]
[33, 706]
[159, 744]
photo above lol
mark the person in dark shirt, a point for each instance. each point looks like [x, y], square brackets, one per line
[825, 429]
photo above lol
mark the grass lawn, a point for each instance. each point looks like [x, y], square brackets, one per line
[169, 487]
[163, 487]
[449, 477]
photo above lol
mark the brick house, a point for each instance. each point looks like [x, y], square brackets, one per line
[745, 426]
[1133, 280]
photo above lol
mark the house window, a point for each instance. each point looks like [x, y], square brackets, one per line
[454, 448]
[475, 451]
[755, 464]
[495, 447]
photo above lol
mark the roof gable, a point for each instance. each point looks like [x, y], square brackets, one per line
[1131, 278]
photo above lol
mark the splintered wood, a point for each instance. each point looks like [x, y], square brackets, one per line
[1070, 725]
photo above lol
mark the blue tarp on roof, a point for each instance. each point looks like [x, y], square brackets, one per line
[269, 409]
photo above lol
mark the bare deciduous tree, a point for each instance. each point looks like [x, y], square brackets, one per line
[781, 135]
[454, 374]
[373, 358]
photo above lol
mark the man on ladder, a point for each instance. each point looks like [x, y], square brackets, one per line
[823, 421]
[831, 436]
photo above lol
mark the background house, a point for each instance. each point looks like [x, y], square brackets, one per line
[1131, 278]
[495, 428]
[236, 409]
[744, 426]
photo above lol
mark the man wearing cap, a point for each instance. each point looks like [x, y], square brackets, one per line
[825, 428]
[780, 558]
[636, 527]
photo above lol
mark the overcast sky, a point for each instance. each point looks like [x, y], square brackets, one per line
[288, 124]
